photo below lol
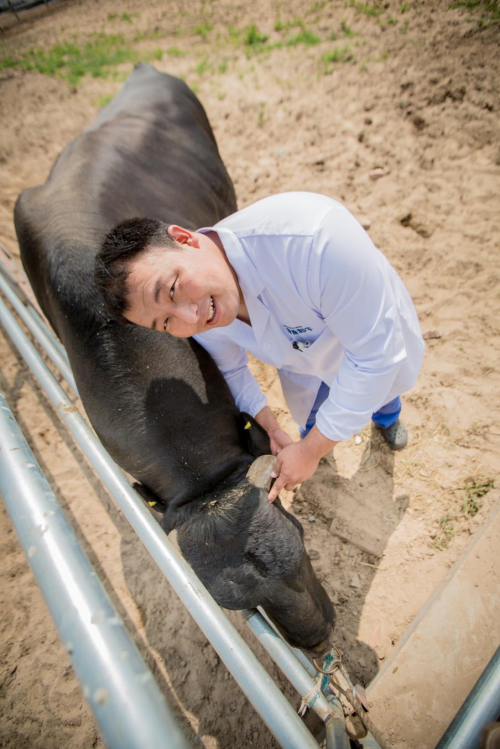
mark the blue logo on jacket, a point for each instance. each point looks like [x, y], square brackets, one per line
[297, 329]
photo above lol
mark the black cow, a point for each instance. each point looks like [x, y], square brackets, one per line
[159, 404]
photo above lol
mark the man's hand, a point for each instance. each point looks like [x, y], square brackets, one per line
[298, 461]
[293, 466]
[279, 440]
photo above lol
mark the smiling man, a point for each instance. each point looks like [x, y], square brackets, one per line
[295, 280]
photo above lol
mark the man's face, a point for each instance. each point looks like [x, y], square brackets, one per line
[184, 290]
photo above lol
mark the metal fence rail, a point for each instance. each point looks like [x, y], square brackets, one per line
[481, 707]
[127, 703]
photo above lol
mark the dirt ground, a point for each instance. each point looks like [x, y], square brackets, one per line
[401, 124]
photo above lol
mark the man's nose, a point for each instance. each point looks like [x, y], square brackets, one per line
[187, 312]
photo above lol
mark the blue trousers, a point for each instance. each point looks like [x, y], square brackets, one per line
[384, 417]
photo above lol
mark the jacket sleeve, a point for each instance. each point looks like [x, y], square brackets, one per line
[351, 285]
[232, 361]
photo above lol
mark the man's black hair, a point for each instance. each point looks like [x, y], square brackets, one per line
[112, 264]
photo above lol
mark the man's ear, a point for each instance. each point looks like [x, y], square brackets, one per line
[183, 236]
[254, 437]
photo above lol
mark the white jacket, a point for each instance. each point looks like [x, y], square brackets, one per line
[325, 305]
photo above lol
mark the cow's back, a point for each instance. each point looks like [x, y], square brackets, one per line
[151, 152]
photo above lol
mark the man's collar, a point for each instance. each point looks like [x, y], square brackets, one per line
[249, 279]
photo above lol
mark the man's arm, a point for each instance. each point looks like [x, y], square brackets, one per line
[278, 437]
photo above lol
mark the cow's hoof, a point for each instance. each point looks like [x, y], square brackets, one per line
[259, 473]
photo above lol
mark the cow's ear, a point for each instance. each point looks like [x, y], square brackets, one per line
[254, 437]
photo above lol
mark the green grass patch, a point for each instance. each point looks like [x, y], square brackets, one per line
[127, 17]
[487, 10]
[8, 62]
[223, 66]
[446, 532]
[336, 56]
[305, 36]
[260, 116]
[253, 37]
[202, 67]
[175, 52]
[102, 101]
[255, 42]
[234, 33]
[316, 7]
[346, 30]
[149, 35]
[287, 25]
[405, 7]
[72, 62]
[474, 490]
[368, 9]
[202, 29]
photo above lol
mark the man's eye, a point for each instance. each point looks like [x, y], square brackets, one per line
[172, 291]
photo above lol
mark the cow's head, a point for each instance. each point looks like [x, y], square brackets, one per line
[251, 553]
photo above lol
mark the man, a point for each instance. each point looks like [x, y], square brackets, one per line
[295, 280]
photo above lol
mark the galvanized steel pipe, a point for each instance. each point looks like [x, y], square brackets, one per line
[255, 682]
[482, 706]
[41, 334]
[289, 665]
[4, 270]
[128, 705]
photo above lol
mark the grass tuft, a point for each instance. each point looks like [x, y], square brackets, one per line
[446, 532]
[337, 55]
[202, 66]
[175, 52]
[316, 7]
[305, 36]
[254, 37]
[346, 30]
[260, 116]
[489, 11]
[287, 25]
[202, 29]
[127, 17]
[102, 101]
[475, 489]
[72, 62]
[368, 9]
[147, 35]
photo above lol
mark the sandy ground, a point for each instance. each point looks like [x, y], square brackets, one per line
[406, 134]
